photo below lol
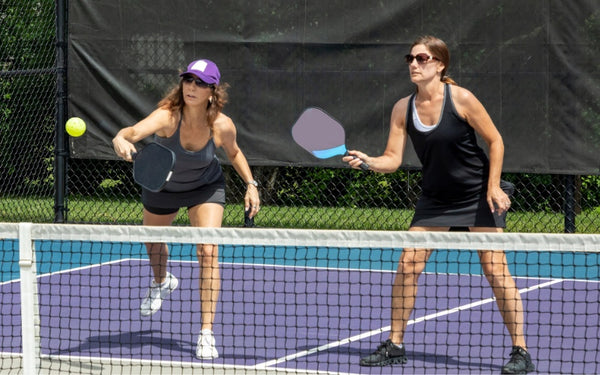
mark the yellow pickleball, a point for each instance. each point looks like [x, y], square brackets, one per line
[75, 127]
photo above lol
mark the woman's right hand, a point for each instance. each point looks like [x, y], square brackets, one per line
[123, 148]
[355, 158]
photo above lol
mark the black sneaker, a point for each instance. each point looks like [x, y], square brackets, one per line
[520, 362]
[386, 354]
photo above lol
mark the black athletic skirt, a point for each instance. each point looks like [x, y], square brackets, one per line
[474, 213]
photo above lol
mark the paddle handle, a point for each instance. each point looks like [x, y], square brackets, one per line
[248, 221]
[364, 166]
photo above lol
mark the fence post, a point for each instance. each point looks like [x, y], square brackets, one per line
[61, 153]
[569, 205]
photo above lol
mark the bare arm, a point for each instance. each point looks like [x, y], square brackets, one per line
[225, 136]
[469, 107]
[156, 122]
[391, 159]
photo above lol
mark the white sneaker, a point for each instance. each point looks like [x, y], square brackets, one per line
[154, 296]
[206, 346]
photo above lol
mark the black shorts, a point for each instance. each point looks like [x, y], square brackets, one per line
[162, 211]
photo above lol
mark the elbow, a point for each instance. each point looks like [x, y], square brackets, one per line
[234, 156]
[393, 164]
[497, 146]
[389, 162]
[391, 169]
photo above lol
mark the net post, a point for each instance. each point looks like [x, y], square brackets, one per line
[29, 305]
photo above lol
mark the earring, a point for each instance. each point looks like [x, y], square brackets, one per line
[210, 100]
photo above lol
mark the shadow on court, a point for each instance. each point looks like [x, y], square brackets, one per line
[127, 340]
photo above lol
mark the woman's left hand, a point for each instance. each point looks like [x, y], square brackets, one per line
[252, 201]
[498, 200]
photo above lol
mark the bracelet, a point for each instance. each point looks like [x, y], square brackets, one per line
[253, 182]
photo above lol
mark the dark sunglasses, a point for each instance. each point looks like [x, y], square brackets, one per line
[422, 58]
[197, 81]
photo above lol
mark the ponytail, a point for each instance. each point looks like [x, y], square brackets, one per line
[447, 79]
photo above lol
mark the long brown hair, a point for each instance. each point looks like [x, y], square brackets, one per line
[439, 50]
[174, 102]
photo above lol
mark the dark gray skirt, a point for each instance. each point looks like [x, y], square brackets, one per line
[211, 193]
[472, 213]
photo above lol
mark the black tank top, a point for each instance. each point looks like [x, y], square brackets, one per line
[455, 168]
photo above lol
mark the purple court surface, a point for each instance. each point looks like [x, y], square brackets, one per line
[307, 319]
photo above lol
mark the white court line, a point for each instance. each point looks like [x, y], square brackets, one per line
[348, 340]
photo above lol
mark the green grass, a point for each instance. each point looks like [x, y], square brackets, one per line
[105, 211]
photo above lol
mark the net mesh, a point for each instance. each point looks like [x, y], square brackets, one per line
[301, 301]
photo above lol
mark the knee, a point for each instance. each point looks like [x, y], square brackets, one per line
[207, 253]
[410, 266]
[496, 274]
[155, 248]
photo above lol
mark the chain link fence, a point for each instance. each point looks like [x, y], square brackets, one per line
[103, 191]
[27, 109]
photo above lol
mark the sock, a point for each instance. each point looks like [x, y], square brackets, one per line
[163, 284]
[206, 332]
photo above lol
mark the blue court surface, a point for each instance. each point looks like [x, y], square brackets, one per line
[311, 309]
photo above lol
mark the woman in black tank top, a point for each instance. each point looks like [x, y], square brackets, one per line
[189, 121]
[461, 187]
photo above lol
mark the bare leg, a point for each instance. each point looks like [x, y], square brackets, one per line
[508, 298]
[210, 282]
[158, 252]
[208, 215]
[404, 291]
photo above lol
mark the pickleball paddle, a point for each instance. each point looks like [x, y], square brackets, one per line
[320, 134]
[153, 166]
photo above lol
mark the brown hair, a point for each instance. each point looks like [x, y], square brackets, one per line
[439, 50]
[174, 102]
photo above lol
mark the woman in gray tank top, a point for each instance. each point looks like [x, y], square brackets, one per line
[460, 187]
[189, 121]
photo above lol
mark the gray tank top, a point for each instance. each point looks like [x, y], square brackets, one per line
[192, 168]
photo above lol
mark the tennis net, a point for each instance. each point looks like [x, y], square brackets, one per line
[301, 301]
